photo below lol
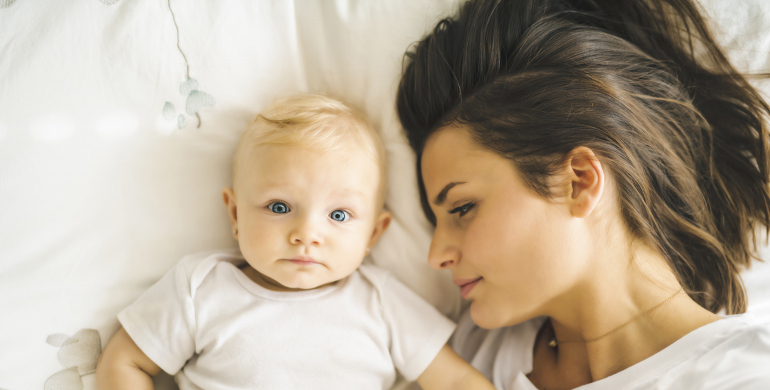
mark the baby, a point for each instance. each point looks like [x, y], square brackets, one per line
[294, 308]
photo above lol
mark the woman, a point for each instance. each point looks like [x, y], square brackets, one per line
[595, 187]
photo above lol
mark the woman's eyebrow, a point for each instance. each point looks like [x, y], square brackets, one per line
[442, 195]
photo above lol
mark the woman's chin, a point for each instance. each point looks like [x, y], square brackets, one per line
[491, 317]
[485, 317]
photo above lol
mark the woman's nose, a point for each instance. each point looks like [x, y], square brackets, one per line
[307, 232]
[443, 252]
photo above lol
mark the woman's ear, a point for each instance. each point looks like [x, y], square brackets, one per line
[586, 179]
[382, 223]
[232, 209]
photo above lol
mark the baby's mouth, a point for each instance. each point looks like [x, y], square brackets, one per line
[304, 261]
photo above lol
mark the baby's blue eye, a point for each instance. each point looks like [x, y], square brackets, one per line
[339, 215]
[279, 207]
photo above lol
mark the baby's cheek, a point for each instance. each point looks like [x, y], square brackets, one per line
[349, 258]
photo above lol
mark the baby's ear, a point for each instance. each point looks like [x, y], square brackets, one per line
[380, 225]
[228, 196]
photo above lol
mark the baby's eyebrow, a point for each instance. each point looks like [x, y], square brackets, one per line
[442, 195]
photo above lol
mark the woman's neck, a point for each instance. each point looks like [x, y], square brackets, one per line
[614, 305]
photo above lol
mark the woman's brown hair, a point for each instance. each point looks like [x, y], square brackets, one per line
[643, 84]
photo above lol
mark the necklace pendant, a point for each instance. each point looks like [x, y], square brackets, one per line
[552, 343]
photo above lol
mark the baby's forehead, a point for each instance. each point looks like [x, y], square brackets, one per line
[299, 174]
[346, 167]
[341, 144]
[354, 190]
[348, 151]
[336, 136]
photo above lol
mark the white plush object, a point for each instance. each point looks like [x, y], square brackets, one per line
[106, 181]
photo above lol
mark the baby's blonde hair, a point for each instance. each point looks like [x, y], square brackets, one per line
[315, 121]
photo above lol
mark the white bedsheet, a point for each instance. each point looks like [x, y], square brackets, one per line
[106, 180]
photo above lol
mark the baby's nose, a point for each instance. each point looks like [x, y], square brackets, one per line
[306, 233]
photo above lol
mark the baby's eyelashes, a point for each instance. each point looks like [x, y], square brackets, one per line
[339, 215]
[278, 207]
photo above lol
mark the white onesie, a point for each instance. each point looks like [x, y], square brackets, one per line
[213, 327]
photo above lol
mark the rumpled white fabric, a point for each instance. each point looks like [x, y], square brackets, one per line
[731, 353]
[213, 327]
[103, 187]
[106, 180]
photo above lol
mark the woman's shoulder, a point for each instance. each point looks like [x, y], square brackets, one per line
[746, 336]
[732, 353]
[739, 356]
[751, 326]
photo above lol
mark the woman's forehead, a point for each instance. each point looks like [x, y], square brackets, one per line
[448, 141]
[451, 155]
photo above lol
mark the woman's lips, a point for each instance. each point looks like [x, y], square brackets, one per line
[466, 285]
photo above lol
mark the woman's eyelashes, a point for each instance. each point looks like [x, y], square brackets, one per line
[462, 210]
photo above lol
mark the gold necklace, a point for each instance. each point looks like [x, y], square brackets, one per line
[553, 343]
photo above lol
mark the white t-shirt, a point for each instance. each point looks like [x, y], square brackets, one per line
[206, 318]
[732, 353]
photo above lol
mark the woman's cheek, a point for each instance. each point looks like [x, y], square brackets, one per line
[491, 239]
[478, 245]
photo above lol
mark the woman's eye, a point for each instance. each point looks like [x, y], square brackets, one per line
[278, 207]
[339, 215]
[462, 210]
